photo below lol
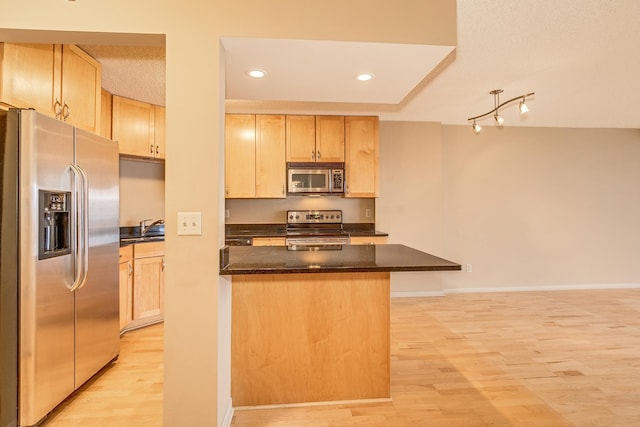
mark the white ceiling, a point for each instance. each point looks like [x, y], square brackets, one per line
[325, 71]
[580, 57]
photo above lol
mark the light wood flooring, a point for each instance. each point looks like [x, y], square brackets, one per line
[497, 359]
[126, 393]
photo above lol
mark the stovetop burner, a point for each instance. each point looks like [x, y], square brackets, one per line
[320, 228]
[314, 217]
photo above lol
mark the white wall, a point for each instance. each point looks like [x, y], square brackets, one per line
[141, 191]
[542, 207]
[528, 208]
[410, 204]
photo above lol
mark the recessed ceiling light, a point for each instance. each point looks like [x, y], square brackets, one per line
[364, 77]
[257, 74]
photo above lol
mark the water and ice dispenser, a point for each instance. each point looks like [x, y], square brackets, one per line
[55, 229]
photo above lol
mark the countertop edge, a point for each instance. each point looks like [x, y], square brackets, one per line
[357, 259]
[238, 272]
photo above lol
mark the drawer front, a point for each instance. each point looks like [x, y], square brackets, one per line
[146, 250]
[126, 253]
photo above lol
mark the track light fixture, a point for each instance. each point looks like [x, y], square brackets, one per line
[496, 107]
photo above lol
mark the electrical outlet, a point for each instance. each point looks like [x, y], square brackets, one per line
[227, 214]
[190, 223]
[469, 268]
[367, 213]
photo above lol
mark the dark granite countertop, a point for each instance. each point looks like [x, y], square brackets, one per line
[350, 258]
[280, 230]
[255, 230]
[363, 229]
[131, 235]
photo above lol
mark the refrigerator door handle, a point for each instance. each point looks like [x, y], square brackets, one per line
[80, 227]
[85, 226]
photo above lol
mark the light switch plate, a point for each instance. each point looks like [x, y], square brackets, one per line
[190, 223]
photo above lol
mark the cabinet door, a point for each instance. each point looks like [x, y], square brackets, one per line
[301, 138]
[268, 241]
[270, 156]
[368, 240]
[148, 286]
[329, 139]
[28, 73]
[105, 114]
[126, 290]
[132, 126]
[158, 128]
[240, 155]
[362, 156]
[80, 88]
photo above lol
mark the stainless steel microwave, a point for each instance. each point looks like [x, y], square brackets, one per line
[315, 178]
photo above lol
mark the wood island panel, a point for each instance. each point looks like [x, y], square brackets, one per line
[310, 338]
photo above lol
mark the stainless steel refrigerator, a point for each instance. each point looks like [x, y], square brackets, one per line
[59, 240]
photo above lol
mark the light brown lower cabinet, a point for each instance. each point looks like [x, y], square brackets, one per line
[268, 241]
[143, 299]
[126, 286]
[368, 240]
[315, 337]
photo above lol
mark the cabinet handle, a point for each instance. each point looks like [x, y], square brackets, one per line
[283, 193]
[157, 150]
[319, 156]
[130, 270]
[57, 108]
[313, 155]
[66, 111]
[162, 264]
[151, 149]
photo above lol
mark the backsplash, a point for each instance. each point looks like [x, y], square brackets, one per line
[141, 191]
[273, 211]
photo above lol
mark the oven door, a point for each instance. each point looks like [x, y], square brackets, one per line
[308, 180]
[316, 243]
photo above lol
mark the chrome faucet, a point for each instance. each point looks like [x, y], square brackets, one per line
[144, 227]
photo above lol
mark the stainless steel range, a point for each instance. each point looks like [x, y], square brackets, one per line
[315, 230]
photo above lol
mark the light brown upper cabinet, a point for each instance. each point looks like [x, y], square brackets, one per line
[329, 139]
[159, 125]
[301, 138]
[106, 100]
[138, 127]
[362, 156]
[240, 156]
[315, 138]
[61, 81]
[255, 156]
[270, 156]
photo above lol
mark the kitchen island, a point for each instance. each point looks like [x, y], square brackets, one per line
[313, 326]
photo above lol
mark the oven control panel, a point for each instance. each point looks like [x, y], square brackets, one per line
[314, 217]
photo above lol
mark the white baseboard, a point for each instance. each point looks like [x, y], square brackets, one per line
[443, 292]
[590, 286]
[228, 415]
